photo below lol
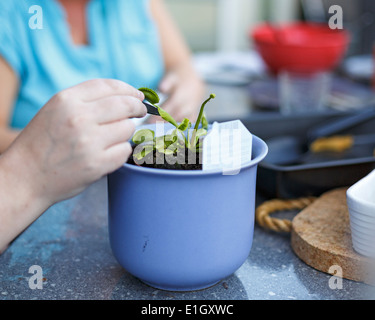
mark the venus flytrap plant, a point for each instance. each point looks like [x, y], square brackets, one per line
[181, 138]
[150, 95]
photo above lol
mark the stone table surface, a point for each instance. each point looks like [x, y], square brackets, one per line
[69, 242]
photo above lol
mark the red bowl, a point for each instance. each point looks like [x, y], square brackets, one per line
[304, 47]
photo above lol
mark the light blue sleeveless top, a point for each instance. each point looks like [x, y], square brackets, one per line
[123, 44]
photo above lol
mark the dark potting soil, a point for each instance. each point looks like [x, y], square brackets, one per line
[186, 160]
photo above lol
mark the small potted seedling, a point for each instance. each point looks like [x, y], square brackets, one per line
[180, 149]
[176, 227]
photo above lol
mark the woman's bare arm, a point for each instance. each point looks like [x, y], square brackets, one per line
[8, 93]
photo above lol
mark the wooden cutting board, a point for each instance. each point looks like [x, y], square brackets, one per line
[321, 237]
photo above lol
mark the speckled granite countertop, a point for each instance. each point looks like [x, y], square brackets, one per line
[70, 244]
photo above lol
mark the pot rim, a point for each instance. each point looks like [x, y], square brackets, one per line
[262, 154]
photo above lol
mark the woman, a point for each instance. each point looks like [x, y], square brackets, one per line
[134, 41]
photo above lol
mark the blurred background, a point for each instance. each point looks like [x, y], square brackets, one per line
[224, 25]
[219, 34]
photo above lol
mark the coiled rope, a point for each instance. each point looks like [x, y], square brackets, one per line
[263, 212]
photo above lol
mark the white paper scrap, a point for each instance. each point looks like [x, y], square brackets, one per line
[227, 147]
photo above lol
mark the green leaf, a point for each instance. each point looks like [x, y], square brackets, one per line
[163, 142]
[183, 140]
[160, 145]
[185, 124]
[200, 133]
[172, 148]
[171, 138]
[167, 147]
[143, 135]
[146, 149]
[167, 117]
[150, 95]
[204, 122]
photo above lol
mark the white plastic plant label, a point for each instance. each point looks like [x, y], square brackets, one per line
[227, 147]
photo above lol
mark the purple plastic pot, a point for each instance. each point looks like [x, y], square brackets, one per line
[182, 230]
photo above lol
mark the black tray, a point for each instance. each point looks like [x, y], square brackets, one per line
[310, 179]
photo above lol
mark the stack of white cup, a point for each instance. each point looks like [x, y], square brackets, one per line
[361, 205]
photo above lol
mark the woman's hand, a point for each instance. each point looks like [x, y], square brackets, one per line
[79, 136]
[185, 92]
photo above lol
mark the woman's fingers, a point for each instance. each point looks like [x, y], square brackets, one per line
[184, 92]
[100, 88]
[115, 157]
[116, 132]
[115, 108]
